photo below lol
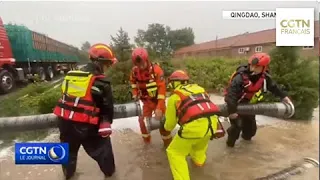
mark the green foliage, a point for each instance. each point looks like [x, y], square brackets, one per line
[299, 76]
[119, 74]
[85, 46]
[161, 41]
[156, 40]
[139, 39]
[47, 101]
[34, 99]
[167, 67]
[181, 38]
[122, 93]
[83, 56]
[121, 45]
[211, 73]
[24, 102]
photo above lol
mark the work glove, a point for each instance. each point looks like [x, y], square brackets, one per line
[233, 116]
[105, 129]
[287, 100]
[135, 98]
[158, 114]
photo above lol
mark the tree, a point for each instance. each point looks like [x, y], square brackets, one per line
[299, 76]
[85, 46]
[157, 40]
[139, 39]
[161, 41]
[83, 56]
[181, 38]
[121, 45]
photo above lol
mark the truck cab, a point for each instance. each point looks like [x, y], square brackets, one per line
[8, 73]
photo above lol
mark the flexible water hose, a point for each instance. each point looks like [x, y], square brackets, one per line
[280, 110]
[307, 163]
[43, 121]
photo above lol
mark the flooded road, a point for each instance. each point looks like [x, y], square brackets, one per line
[277, 145]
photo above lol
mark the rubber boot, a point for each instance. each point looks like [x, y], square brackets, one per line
[233, 135]
[249, 129]
[144, 132]
[70, 169]
[247, 138]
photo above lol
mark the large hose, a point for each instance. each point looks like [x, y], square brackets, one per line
[280, 110]
[45, 121]
[293, 170]
[36, 122]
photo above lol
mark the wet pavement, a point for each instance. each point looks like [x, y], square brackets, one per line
[277, 145]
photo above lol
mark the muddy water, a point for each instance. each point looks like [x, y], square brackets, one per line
[277, 145]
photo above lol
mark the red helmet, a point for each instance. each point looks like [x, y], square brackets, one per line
[103, 53]
[138, 55]
[179, 75]
[260, 59]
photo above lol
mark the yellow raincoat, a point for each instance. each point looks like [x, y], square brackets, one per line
[194, 138]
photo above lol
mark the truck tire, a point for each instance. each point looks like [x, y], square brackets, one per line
[49, 73]
[42, 73]
[7, 82]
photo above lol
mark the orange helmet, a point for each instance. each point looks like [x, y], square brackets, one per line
[260, 59]
[178, 75]
[103, 53]
[139, 55]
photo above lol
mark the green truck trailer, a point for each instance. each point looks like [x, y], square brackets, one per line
[25, 54]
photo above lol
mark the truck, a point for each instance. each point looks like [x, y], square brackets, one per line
[26, 55]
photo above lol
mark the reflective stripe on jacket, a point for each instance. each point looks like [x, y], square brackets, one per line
[76, 103]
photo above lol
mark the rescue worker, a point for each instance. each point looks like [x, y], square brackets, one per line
[191, 108]
[85, 111]
[149, 86]
[247, 85]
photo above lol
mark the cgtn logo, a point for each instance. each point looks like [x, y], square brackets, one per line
[295, 27]
[41, 153]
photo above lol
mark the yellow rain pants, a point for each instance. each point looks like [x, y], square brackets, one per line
[180, 148]
[196, 136]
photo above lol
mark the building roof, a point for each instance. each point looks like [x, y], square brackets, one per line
[215, 44]
[260, 37]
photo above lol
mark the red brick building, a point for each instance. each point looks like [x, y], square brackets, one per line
[244, 45]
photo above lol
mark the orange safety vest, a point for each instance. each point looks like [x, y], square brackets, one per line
[249, 88]
[78, 109]
[198, 106]
[146, 82]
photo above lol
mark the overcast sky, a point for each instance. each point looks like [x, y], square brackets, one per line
[76, 22]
